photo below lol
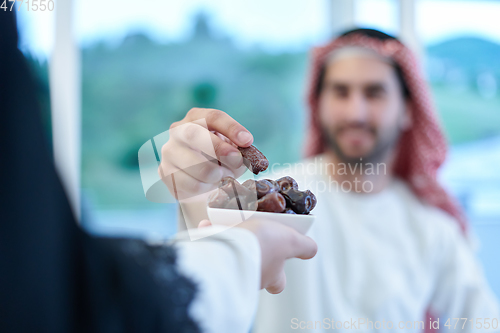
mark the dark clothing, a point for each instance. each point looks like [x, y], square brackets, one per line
[53, 276]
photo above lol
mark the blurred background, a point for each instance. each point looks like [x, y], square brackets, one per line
[136, 67]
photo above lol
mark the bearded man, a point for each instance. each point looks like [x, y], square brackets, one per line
[392, 245]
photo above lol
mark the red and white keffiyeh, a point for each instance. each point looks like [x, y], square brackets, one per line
[422, 149]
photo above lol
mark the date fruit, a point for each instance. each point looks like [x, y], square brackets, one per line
[233, 188]
[301, 202]
[277, 196]
[272, 202]
[218, 199]
[254, 159]
[286, 183]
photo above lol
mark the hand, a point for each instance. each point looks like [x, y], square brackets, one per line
[191, 145]
[278, 243]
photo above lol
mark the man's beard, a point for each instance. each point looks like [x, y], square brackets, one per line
[379, 152]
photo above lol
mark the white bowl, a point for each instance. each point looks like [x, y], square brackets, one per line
[232, 217]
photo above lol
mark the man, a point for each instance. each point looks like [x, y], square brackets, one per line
[394, 248]
[56, 278]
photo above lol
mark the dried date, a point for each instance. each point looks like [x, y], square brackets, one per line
[264, 187]
[272, 202]
[261, 187]
[300, 201]
[314, 201]
[254, 159]
[218, 199]
[279, 196]
[234, 188]
[286, 183]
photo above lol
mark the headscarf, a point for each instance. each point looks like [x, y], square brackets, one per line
[421, 149]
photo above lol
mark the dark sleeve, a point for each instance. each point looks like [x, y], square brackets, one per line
[53, 276]
[134, 287]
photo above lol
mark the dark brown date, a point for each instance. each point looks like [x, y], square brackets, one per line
[252, 204]
[286, 183]
[313, 199]
[264, 187]
[249, 184]
[278, 196]
[261, 187]
[273, 182]
[300, 202]
[234, 188]
[233, 204]
[244, 203]
[254, 159]
[218, 199]
[272, 202]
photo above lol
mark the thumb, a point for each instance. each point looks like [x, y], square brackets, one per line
[204, 223]
[279, 285]
[303, 247]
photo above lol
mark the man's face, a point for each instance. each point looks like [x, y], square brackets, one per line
[362, 109]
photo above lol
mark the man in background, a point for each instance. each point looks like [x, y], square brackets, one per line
[393, 246]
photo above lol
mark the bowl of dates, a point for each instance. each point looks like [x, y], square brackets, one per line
[277, 200]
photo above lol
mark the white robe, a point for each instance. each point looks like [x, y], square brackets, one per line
[226, 268]
[383, 257]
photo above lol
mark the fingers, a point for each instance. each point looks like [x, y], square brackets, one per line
[224, 138]
[278, 243]
[221, 122]
[192, 163]
[199, 139]
[237, 172]
[279, 285]
[183, 186]
[303, 247]
[204, 223]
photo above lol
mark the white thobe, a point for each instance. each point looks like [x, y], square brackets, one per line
[382, 257]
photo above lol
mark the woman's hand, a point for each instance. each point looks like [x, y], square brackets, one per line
[196, 143]
[278, 243]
